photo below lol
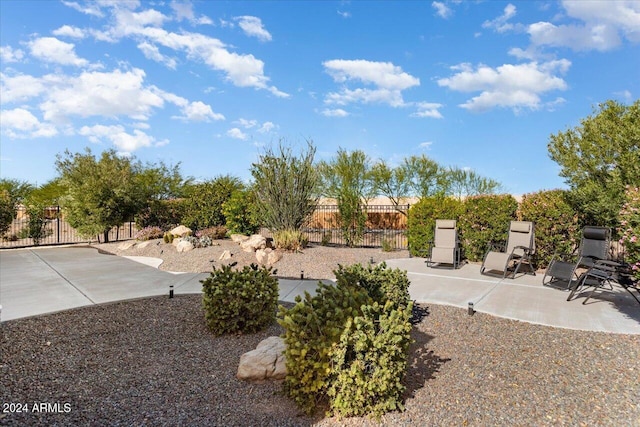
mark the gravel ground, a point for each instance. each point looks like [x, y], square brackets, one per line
[153, 362]
[315, 261]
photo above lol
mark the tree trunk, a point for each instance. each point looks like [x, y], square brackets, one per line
[106, 236]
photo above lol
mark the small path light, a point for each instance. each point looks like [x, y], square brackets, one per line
[471, 309]
[171, 291]
[301, 274]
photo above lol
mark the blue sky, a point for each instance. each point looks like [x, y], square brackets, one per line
[210, 84]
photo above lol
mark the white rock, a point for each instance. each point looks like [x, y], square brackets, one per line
[266, 362]
[273, 257]
[254, 243]
[126, 245]
[262, 255]
[184, 246]
[237, 238]
[144, 244]
[181, 231]
[225, 255]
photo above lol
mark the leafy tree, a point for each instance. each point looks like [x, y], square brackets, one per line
[285, 187]
[599, 158]
[347, 179]
[36, 204]
[463, 182]
[240, 212]
[101, 193]
[7, 211]
[161, 182]
[204, 202]
[16, 190]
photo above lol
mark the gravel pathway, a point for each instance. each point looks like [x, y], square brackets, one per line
[153, 362]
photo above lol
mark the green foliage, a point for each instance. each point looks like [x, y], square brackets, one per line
[312, 327]
[485, 220]
[101, 193]
[343, 339]
[630, 228]
[165, 214]
[388, 245]
[464, 183]
[556, 224]
[168, 237]
[16, 190]
[370, 361]
[380, 282]
[241, 213]
[347, 179]
[598, 159]
[7, 211]
[290, 240]
[239, 301]
[161, 182]
[422, 220]
[205, 201]
[285, 187]
[149, 233]
[199, 242]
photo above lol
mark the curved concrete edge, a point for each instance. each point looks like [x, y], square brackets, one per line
[146, 260]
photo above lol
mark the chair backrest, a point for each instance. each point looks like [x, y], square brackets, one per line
[521, 234]
[445, 234]
[595, 242]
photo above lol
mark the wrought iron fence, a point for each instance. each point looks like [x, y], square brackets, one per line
[385, 226]
[55, 231]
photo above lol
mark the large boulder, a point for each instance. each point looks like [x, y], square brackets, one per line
[254, 243]
[181, 231]
[266, 362]
[268, 256]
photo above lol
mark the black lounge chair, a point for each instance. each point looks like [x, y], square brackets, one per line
[564, 270]
[606, 274]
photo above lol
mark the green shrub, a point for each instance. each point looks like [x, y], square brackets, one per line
[165, 214]
[485, 220]
[388, 245]
[199, 242]
[312, 327]
[556, 224]
[380, 282]
[168, 237]
[7, 211]
[203, 206]
[630, 228]
[422, 217]
[327, 335]
[241, 213]
[149, 233]
[290, 240]
[369, 362]
[239, 301]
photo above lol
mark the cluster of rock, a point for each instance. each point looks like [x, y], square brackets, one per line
[263, 248]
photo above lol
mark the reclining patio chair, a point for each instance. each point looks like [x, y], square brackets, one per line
[445, 248]
[603, 274]
[564, 269]
[518, 251]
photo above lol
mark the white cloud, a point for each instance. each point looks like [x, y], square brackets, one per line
[512, 86]
[426, 145]
[50, 49]
[20, 87]
[252, 27]
[92, 9]
[501, 24]
[344, 14]
[237, 134]
[20, 123]
[428, 109]
[267, 127]
[152, 52]
[602, 27]
[184, 10]
[104, 94]
[8, 54]
[245, 123]
[388, 80]
[337, 112]
[125, 142]
[442, 10]
[200, 112]
[69, 31]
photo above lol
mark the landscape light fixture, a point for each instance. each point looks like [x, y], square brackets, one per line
[170, 291]
[471, 309]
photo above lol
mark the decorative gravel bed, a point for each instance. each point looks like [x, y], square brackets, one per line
[153, 362]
